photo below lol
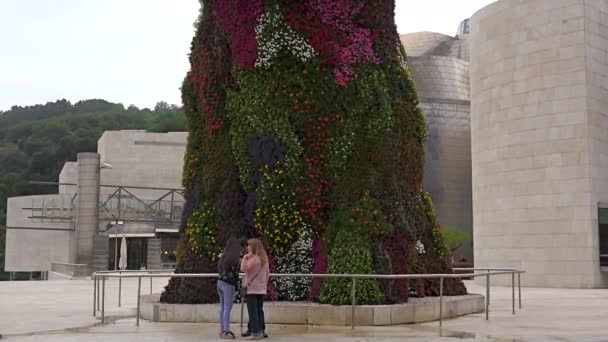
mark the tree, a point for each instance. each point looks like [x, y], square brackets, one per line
[298, 110]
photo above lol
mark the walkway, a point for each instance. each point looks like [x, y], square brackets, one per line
[62, 311]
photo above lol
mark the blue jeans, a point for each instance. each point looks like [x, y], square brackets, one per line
[255, 308]
[226, 293]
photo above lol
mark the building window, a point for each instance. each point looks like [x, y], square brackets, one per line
[603, 235]
[168, 246]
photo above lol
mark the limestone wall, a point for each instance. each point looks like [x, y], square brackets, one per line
[32, 245]
[596, 54]
[142, 159]
[533, 195]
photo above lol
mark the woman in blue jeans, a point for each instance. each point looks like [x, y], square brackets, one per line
[228, 268]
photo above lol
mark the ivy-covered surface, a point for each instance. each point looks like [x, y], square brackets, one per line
[305, 132]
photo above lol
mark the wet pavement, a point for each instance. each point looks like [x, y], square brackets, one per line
[62, 311]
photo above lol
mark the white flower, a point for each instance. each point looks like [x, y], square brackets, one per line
[274, 35]
[420, 247]
[298, 259]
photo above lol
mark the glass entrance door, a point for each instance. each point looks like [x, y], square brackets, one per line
[137, 253]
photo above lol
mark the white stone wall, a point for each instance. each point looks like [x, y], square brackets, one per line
[68, 174]
[142, 159]
[34, 248]
[532, 177]
[596, 54]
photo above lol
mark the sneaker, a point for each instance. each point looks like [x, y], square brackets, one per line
[227, 335]
[257, 336]
[246, 333]
[264, 334]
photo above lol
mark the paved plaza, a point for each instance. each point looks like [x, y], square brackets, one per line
[62, 311]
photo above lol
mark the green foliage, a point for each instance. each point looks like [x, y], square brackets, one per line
[36, 141]
[436, 233]
[201, 231]
[455, 238]
[277, 216]
[350, 254]
[363, 217]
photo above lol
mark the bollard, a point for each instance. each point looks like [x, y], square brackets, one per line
[138, 299]
[150, 285]
[352, 320]
[440, 301]
[103, 299]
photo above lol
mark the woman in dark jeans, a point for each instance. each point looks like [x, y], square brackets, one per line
[228, 268]
[257, 272]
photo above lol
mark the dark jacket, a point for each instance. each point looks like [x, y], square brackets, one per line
[230, 275]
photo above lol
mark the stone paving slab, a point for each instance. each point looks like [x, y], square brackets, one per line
[62, 311]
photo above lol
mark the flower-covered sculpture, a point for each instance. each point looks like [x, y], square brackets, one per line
[304, 131]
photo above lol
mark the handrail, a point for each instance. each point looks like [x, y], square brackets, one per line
[139, 274]
[68, 264]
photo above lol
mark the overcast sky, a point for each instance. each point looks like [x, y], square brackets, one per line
[131, 51]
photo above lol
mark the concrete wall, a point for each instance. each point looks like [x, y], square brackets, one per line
[31, 245]
[68, 174]
[142, 159]
[87, 206]
[442, 79]
[533, 195]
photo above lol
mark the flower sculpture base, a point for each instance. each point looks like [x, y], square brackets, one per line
[417, 310]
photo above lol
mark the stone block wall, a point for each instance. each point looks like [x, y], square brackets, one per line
[32, 245]
[596, 54]
[532, 156]
[142, 159]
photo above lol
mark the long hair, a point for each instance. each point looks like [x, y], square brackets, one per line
[258, 249]
[230, 255]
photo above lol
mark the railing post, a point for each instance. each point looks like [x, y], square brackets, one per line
[440, 301]
[354, 294]
[103, 299]
[513, 291]
[98, 294]
[138, 297]
[519, 287]
[94, 276]
[488, 290]
[487, 295]
[119, 288]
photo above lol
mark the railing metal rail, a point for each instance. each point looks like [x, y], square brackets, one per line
[71, 271]
[100, 277]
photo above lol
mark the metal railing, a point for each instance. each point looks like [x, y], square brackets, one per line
[71, 271]
[100, 278]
